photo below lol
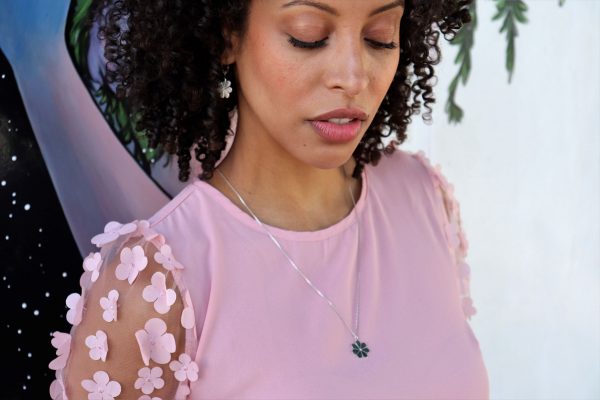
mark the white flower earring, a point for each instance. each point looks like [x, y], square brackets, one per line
[224, 87]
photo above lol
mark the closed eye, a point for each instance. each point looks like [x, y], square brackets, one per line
[321, 43]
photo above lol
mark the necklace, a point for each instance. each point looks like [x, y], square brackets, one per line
[359, 348]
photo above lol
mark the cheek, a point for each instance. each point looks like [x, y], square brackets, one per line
[275, 71]
[385, 75]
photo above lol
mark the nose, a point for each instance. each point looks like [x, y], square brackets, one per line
[348, 69]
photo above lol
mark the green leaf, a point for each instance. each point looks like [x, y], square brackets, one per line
[514, 12]
[465, 41]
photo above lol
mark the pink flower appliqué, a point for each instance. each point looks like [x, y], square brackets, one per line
[101, 388]
[143, 229]
[158, 293]
[112, 231]
[452, 234]
[85, 281]
[132, 262]
[188, 320]
[166, 259]
[98, 345]
[185, 368]
[57, 388]
[75, 304]
[62, 342]
[154, 341]
[149, 379]
[183, 391]
[146, 397]
[464, 269]
[467, 306]
[92, 263]
[109, 305]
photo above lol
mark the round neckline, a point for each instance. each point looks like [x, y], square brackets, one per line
[233, 210]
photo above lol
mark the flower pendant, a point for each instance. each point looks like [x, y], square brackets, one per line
[360, 349]
[224, 88]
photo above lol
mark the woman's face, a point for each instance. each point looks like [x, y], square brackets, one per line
[283, 87]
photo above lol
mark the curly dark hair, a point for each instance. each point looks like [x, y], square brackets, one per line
[166, 64]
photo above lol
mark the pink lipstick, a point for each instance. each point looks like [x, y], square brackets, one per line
[339, 125]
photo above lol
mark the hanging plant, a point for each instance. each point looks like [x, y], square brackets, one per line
[512, 12]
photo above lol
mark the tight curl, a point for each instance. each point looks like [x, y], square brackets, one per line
[164, 58]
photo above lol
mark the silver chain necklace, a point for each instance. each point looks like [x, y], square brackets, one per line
[359, 348]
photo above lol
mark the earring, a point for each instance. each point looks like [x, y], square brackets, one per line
[224, 87]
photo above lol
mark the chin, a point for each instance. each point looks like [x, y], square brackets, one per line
[331, 161]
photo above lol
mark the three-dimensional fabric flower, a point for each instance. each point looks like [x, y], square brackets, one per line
[92, 264]
[185, 368]
[143, 229]
[158, 293]
[85, 281]
[57, 391]
[149, 379]
[467, 306]
[154, 341]
[132, 262]
[452, 234]
[188, 320]
[75, 303]
[464, 269]
[146, 397]
[183, 391]
[109, 305]
[165, 258]
[112, 231]
[62, 342]
[98, 345]
[101, 388]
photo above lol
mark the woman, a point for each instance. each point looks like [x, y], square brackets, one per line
[302, 263]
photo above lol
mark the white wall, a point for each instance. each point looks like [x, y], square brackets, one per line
[525, 163]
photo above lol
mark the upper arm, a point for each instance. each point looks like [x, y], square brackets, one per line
[449, 212]
[132, 324]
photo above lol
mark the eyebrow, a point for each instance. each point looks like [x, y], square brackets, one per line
[330, 10]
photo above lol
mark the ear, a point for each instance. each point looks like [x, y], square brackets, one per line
[231, 49]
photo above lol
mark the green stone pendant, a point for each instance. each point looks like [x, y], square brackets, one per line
[360, 349]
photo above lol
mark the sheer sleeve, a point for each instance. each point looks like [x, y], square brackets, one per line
[133, 327]
[453, 230]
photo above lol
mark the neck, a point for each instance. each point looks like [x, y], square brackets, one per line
[282, 191]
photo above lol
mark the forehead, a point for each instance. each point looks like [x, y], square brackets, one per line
[334, 8]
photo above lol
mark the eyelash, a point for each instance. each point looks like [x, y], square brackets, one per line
[320, 43]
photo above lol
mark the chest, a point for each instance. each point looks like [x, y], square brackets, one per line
[266, 333]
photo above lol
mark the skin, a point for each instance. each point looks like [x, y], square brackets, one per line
[288, 175]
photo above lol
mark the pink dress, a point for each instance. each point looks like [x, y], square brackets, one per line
[197, 302]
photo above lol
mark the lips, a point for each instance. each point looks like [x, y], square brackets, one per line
[352, 113]
[336, 132]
